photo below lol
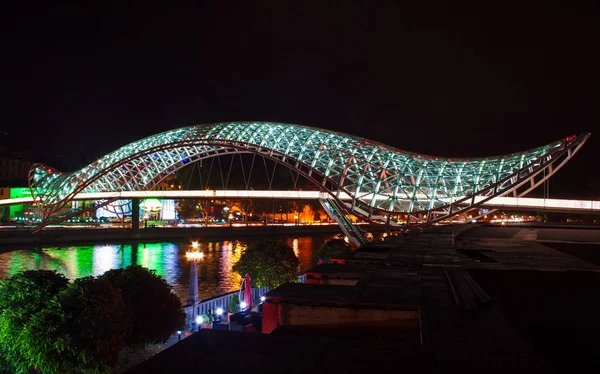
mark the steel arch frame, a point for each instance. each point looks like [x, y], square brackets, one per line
[222, 150]
[368, 171]
[519, 179]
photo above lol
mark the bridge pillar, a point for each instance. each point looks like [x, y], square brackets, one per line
[387, 224]
[135, 215]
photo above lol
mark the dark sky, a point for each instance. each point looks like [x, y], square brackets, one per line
[479, 80]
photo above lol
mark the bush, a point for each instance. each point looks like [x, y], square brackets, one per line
[79, 328]
[208, 318]
[156, 311]
[48, 325]
[333, 248]
[269, 263]
[82, 331]
[234, 304]
[22, 297]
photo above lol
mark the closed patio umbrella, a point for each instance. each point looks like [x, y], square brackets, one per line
[248, 292]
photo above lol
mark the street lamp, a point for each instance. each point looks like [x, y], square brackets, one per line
[199, 321]
[296, 219]
[179, 335]
[194, 256]
[243, 306]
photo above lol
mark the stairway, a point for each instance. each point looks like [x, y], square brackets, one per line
[379, 218]
[339, 215]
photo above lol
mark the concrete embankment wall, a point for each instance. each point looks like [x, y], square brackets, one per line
[79, 235]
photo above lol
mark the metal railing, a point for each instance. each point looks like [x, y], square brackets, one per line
[223, 301]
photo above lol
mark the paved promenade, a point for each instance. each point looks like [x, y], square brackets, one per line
[490, 299]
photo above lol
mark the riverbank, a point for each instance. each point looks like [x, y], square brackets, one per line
[95, 235]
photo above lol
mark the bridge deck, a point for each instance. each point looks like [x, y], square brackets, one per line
[525, 203]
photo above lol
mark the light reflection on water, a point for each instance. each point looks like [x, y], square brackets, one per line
[168, 259]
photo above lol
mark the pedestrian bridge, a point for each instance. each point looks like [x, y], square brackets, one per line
[509, 203]
[359, 176]
[379, 179]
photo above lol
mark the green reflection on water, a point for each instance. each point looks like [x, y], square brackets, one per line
[82, 261]
[167, 259]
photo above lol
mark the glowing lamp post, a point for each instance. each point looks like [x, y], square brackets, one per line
[199, 322]
[219, 313]
[194, 256]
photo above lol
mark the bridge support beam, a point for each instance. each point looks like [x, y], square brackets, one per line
[387, 224]
[135, 215]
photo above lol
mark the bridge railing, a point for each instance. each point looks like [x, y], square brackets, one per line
[223, 301]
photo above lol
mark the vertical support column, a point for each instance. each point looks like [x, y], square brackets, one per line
[135, 215]
[387, 224]
[193, 295]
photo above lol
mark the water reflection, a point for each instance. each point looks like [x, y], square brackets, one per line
[167, 259]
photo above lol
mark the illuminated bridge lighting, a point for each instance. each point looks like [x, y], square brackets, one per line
[497, 202]
[370, 179]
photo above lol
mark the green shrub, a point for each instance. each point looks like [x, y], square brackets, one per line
[234, 304]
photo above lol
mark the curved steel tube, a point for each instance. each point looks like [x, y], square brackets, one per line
[380, 178]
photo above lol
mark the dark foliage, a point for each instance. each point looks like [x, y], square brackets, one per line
[22, 296]
[74, 329]
[155, 309]
[333, 248]
[269, 263]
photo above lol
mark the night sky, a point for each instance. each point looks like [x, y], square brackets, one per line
[78, 82]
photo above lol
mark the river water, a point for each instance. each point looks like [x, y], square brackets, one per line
[167, 258]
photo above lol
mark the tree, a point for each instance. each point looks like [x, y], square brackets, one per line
[23, 296]
[333, 248]
[269, 263]
[71, 329]
[156, 311]
[82, 330]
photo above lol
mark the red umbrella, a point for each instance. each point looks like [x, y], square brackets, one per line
[248, 292]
